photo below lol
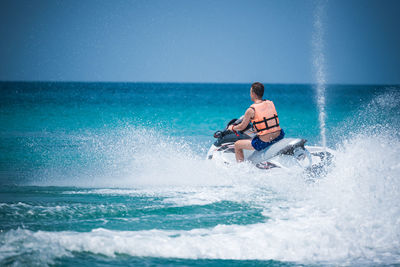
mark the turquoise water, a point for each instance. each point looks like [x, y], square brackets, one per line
[115, 174]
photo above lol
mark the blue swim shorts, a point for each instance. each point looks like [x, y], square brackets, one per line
[260, 145]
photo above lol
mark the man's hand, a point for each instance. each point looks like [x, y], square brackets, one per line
[230, 127]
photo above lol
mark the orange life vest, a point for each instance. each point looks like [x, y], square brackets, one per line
[265, 118]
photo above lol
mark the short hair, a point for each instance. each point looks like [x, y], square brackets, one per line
[258, 89]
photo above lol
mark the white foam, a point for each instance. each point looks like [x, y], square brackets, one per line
[350, 217]
[23, 211]
[311, 237]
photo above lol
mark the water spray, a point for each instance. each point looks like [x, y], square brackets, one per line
[319, 66]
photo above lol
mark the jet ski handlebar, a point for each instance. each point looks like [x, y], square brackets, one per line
[220, 134]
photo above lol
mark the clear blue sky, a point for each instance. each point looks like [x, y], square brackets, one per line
[197, 41]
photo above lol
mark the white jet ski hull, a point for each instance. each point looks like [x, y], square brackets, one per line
[287, 153]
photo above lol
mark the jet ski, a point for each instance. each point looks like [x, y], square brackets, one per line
[287, 153]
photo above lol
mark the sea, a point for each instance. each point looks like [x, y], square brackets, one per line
[115, 174]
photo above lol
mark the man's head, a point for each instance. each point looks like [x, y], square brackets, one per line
[257, 91]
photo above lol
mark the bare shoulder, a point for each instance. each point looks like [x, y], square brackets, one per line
[250, 110]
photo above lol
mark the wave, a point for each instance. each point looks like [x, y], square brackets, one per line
[350, 217]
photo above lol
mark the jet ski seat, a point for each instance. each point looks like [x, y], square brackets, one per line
[285, 146]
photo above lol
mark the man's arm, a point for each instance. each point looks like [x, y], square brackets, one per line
[246, 119]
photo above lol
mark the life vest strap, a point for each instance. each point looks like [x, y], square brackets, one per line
[265, 120]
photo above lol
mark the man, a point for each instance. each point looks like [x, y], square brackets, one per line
[265, 122]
